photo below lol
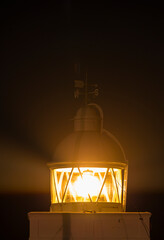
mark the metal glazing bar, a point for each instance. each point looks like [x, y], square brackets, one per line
[65, 190]
[106, 174]
[60, 181]
[82, 179]
[56, 190]
[105, 191]
[122, 187]
[115, 184]
[71, 188]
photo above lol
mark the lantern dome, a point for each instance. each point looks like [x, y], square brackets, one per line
[89, 142]
[90, 147]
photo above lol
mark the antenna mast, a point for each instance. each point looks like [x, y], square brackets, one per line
[81, 87]
[86, 88]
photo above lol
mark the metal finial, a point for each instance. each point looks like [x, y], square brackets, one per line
[85, 89]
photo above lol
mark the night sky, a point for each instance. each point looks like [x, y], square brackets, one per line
[121, 47]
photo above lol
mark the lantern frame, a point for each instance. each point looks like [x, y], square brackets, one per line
[61, 203]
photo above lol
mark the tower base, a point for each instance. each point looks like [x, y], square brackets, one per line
[97, 226]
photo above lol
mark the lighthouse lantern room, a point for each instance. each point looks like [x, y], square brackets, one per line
[89, 171]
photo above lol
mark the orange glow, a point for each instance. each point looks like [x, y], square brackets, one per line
[86, 185]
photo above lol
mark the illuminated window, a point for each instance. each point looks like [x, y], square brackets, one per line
[87, 185]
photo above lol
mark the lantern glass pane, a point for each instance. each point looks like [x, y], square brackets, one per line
[87, 185]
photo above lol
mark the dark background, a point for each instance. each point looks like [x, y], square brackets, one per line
[121, 47]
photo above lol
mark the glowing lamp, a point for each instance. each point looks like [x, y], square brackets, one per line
[89, 171]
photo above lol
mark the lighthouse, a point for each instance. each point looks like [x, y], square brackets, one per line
[88, 186]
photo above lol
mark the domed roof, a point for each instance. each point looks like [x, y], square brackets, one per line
[89, 142]
[90, 147]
